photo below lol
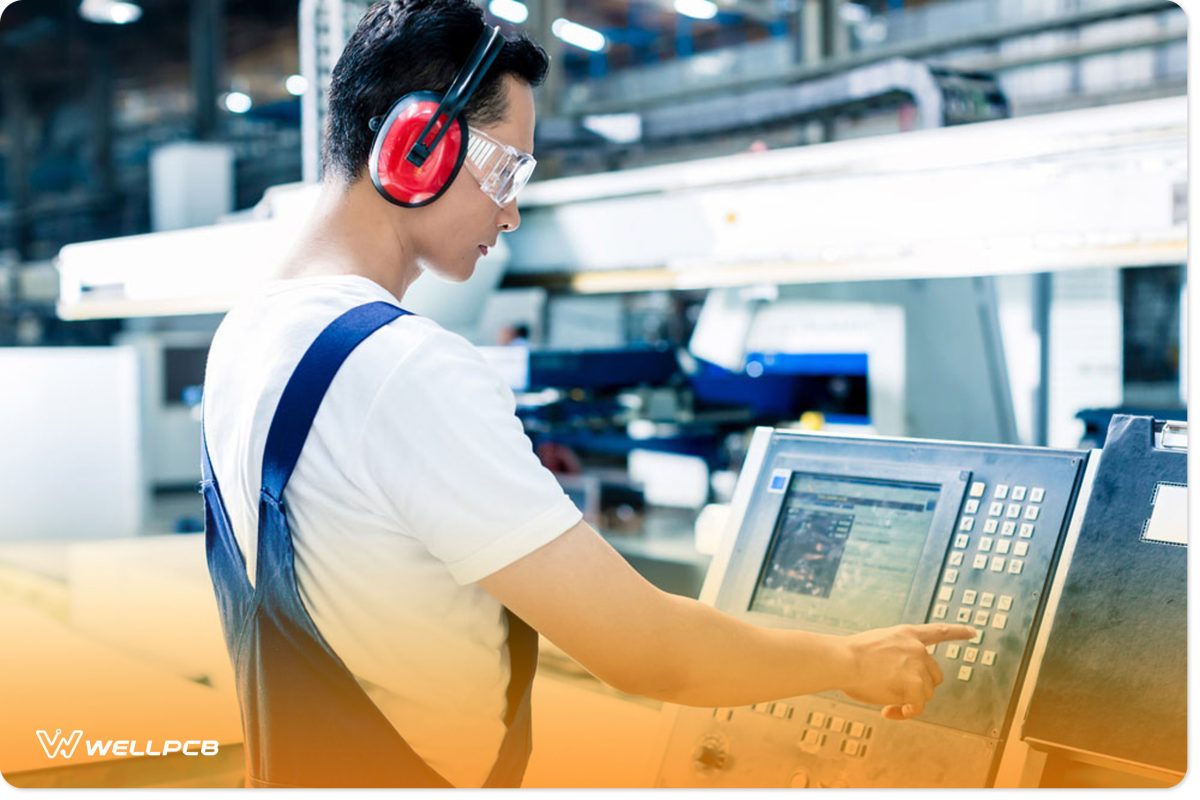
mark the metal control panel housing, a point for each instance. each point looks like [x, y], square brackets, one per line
[840, 534]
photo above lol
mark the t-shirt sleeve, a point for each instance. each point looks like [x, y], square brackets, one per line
[446, 454]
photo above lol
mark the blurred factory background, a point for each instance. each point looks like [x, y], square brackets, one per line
[948, 219]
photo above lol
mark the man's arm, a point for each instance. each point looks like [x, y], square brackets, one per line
[583, 596]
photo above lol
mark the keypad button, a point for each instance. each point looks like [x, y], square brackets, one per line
[1014, 566]
[816, 718]
[989, 526]
[956, 558]
[978, 488]
[1001, 491]
[996, 509]
[950, 576]
[997, 564]
[946, 593]
[1021, 549]
[1008, 528]
[931, 649]
[964, 615]
[989, 658]
[985, 544]
[978, 637]
[836, 724]
[952, 650]
[1005, 602]
[1002, 546]
[970, 655]
[857, 729]
[782, 710]
[939, 611]
[1018, 493]
[980, 562]
[962, 540]
[972, 507]
[850, 747]
[981, 617]
[964, 673]
[1014, 510]
[968, 597]
[1026, 530]
[1031, 512]
[763, 708]
[967, 524]
[999, 621]
[1036, 494]
[986, 599]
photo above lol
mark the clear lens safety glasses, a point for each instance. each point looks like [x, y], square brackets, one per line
[502, 170]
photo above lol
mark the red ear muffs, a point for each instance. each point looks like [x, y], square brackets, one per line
[399, 180]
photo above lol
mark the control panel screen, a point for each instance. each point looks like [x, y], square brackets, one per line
[845, 550]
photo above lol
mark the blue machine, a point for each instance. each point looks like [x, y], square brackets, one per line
[840, 534]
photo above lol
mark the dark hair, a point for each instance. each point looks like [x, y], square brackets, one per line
[403, 46]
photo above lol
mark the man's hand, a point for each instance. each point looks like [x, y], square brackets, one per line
[892, 668]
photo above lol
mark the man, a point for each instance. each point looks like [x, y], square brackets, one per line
[415, 508]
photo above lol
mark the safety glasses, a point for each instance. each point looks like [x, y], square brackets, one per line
[502, 170]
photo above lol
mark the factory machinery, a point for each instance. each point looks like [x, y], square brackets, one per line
[1070, 564]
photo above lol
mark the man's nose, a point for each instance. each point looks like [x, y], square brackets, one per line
[509, 218]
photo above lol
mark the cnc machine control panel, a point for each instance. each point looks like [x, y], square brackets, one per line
[840, 535]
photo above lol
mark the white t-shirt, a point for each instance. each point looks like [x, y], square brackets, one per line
[416, 481]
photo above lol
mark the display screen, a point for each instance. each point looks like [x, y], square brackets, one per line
[845, 550]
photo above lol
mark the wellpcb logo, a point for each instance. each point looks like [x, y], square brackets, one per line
[64, 746]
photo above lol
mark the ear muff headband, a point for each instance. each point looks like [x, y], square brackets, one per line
[421, 144]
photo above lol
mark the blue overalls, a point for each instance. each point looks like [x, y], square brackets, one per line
[306, 720]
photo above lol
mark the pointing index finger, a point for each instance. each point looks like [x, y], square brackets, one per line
[932, 633]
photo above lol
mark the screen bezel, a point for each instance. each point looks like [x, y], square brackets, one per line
[761, 523]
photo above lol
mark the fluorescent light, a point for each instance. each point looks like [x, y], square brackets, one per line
[579, 35]
[697, 9]
[238, 102]
[110, 12]
[296, 84]
[509, 10]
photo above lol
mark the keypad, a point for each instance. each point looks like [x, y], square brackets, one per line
[980, 562]
[1014, 510]
[1021, 549]
[1002, 547]
[989, 658]
[999, 621]
[967, 523]
[985, 544]
[1008, 528]
[1018, 493]
[1001, 491]
[857, 730]
[989, 526]
[1005, 603]
[1036, 494]
[1031, 512]
[996, 509]
[981, 617]
[940, 610]
[956, 558]
[997, 564]
[952, 650]
[978, 637]
[978, 488]
[986, 599]
[816, 718]
[972, 507]
[968, 597]
[962, 540]
[1026, 531]
[1015, 566]
[971, 655]
[946, 594]
[964, 615]
[964, 673]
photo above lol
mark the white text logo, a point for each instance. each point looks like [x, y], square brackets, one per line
[59, 745]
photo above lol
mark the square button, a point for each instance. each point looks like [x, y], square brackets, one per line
[966, 524]
[1015, 565]
[1026, 530]
[986, 599]
[1031, 512]
[1018, 493]
[989, 658]
[956, 558]
[962, 540]
[978, 637]
[964, 615]
[1001, 491]
[978, 488]
[1036, 494]
[971, 655]
[968, 597]
[816, 718]
[939, 611]
[980, 562]
[781, 710]
[850, 747]
[999, 621]
[836, 724]
[985, 544]
[1002, 546]
[997, 564]
[1008, 528]
[996, 509]
[857, 729]
[989, 526]
[951, 576]
[1014, 510]
[1021, 549]
[931, 649]
[964, 673]
[952, 650]
[981, 617]
[945, 593]
[1005, 603]
[972, 507]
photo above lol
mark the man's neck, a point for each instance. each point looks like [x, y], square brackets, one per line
[353, 232]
